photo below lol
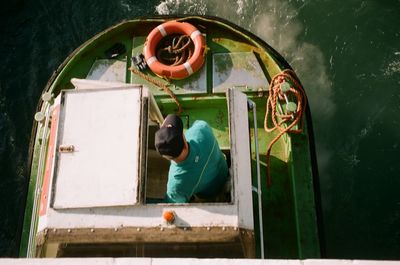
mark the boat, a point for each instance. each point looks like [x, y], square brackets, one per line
[95, 174]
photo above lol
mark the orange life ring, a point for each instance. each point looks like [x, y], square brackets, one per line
[178, 71]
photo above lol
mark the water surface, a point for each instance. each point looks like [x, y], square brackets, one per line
[347, 55]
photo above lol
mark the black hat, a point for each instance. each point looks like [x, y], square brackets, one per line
[169, 138]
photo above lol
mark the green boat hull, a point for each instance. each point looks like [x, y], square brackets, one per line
[291, 225]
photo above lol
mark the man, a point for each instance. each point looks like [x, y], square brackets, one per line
[198, 166]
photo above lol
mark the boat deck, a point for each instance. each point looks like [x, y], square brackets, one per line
[290, 222]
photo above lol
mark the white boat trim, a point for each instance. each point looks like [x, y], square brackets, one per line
[185, 261]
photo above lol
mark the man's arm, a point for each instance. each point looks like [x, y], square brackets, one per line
[180, 185]
[170, 197]
[175, 197]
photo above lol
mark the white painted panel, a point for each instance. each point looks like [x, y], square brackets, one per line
[150, 215]
[155, 113]
[240, 154]
[108, 70]
[103, 126]
[91, 84]
[238, 69]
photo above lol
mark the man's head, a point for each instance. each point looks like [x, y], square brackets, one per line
[169, 140]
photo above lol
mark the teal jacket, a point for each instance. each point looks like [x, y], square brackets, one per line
[204, 171]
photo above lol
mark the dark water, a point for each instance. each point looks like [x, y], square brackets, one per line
[347, 54]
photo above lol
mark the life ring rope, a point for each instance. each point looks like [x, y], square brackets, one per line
[188, 68]
[162, 30]
[151, 60]
[195, 34]
[181, 69]
[175, 51]
[161, 85]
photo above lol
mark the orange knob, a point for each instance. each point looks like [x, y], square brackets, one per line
[169, 216]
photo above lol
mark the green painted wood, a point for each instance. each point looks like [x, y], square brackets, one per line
[290, 222]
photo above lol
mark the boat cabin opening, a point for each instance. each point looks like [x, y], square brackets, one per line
[97, 183]
[107, 182]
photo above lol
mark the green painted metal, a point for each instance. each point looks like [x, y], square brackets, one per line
[290, 221]
[29, 210]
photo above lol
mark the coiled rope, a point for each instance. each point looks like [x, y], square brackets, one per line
[175, 50]
[279, 91]
[172, 50]
[159, 84]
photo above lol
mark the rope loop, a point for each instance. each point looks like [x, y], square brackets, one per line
[283, 90]
[175, 50]
[159, 84]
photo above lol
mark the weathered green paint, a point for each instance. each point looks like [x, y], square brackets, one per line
[290, 224]
[28, 211]
[33, 193]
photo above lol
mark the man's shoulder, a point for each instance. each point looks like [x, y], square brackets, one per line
[200, 124]
[198, 129]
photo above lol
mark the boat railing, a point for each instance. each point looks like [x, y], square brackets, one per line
[252, 107]
[44, 129]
